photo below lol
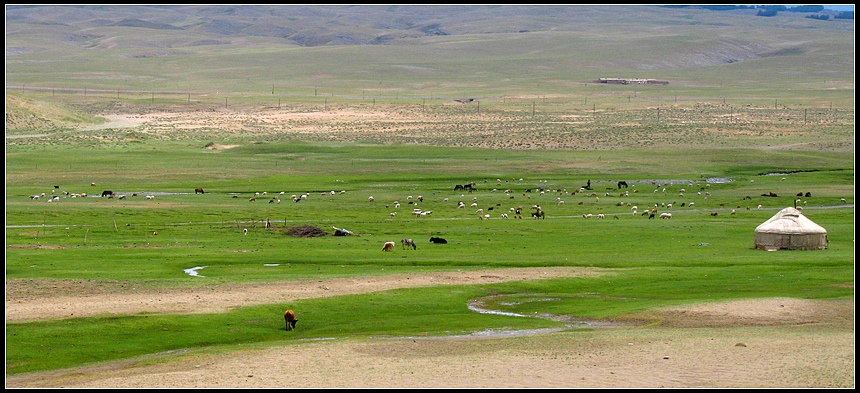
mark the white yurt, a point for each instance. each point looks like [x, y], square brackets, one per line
[790, 230]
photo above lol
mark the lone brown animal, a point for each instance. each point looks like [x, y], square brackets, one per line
[198, 190]
[290, 319]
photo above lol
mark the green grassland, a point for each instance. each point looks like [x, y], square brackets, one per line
[692, 257]
[726, 132]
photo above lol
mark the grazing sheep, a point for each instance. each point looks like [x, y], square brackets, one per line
[370, 198]
[252, 199]
[290, 319]
[388, 246]
[150, 197]
[245, 230]
[407, 242]
[665, 215]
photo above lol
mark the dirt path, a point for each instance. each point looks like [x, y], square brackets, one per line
[764, 343]
[23, 305]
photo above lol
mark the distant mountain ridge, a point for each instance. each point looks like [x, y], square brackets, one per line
[325, 25]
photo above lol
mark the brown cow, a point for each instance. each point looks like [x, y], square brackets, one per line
[290, 319]
[388, 246]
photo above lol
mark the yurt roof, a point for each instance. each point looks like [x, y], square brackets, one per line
[789, 221]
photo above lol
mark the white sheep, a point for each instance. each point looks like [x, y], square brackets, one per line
[665, 215]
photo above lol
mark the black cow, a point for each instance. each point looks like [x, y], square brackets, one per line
[438, 240]
[107, 193]
[622, 184]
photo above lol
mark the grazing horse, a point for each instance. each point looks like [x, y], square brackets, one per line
[290, 319]
[622, 184]
[198, 190]
[107, 193]
[388, 246]
[539, 214]
[408, 243]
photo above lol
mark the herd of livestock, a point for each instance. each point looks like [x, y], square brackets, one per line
[617, 192]
[535, 210]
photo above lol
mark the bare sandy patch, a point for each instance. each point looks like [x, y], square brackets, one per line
[118, 121]
[215, 146]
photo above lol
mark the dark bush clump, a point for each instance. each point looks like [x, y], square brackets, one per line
[305, 231]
